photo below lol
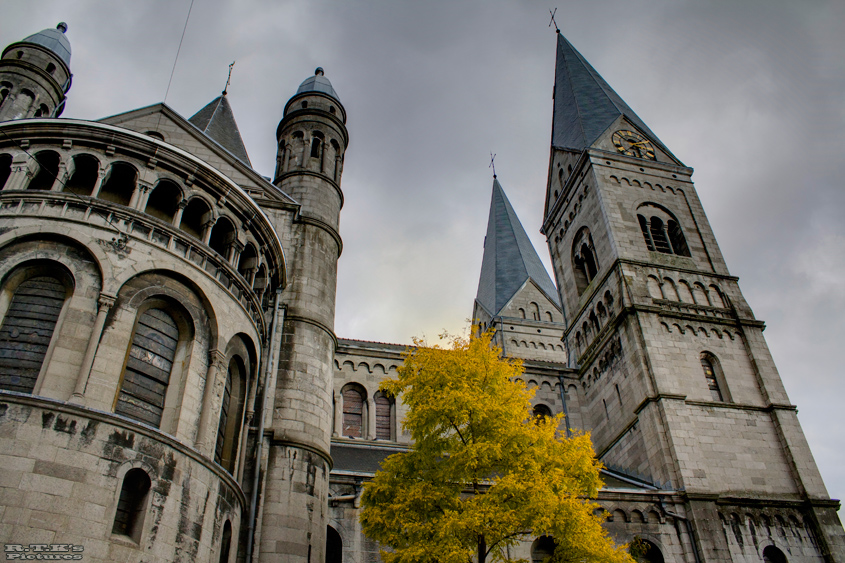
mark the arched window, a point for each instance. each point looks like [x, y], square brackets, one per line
[119, 184]
[584, 261]
[46, 172]
[29, 323]
[42, 111]
[714, 377]
[644, 551]
[226, 542]
[86, 168]
[661, 231]
[316, 143]
[248, 262]
[334, 546]
[771, 554]
[354, 410]
[231, 415]
[384, 416]
[164, 200]
[196, 214]
[222, 235]
[51, 68]
[535, 311]
[5, 88]
[148, 367]
[132, 505]
[5, 168]
[542, 548]
[541, 411]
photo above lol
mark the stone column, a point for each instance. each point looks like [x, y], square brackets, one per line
[371, 419]
[104, 305]
[101, 174]
[146, 189]
[213, 388]
[180, 209]
[338, 414]
[21, 173]
[206, 230]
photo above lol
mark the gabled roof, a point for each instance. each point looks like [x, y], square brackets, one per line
[509, 258]
[218, 122]
[584, 104]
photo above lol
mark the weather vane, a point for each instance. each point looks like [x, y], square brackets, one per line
[493, 163]
[552, 21]
[229, 79]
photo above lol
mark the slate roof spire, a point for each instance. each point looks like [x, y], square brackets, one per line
[509, 258]
[217, 121]
[584, 104]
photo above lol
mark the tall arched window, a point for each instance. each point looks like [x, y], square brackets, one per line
[231, 415]
[85, 169]
[5, 168]
[541, 412]
[714, 377]
[226, 542]
[354, 411]
[148, 367]
[542, 548]
[163, 201]
[119, 184]
[334, 546]
[584, 262]
[384, 417]
[196, 214]
[29, 323]
[132, 505]
[46, 172]
[661, 231]
[222, 235]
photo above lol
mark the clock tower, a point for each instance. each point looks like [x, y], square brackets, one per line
[675, 378]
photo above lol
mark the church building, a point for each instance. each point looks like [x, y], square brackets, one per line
[172, 388]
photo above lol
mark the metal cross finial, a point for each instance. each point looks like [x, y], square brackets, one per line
[229, 79]
[493, 163]
[552, 21]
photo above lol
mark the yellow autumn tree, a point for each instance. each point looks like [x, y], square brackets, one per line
[482, 473]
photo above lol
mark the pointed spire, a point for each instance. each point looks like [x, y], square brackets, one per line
[509, 258]
[217, 121]
[585, 105]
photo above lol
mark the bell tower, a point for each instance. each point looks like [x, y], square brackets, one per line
[312, 139]
[35, 75]
[678, 383]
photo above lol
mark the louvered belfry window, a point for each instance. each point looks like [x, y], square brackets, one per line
[353, 413]
[27, 330]
[382, 418]
[148, 368]
[710, 376]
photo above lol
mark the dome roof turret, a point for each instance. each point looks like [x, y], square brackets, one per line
[53, 39]
[318, 83]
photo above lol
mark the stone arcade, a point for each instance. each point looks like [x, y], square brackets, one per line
[171, 387]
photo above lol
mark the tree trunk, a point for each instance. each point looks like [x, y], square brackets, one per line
[482, 549]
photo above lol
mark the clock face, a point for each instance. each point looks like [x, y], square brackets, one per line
[633, 144]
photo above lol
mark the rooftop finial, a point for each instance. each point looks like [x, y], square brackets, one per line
[557, 30]
[493, 164]
[229, 79]
[319, 71]
[62, 27]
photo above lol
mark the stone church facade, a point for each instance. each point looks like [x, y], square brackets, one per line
[172, 388]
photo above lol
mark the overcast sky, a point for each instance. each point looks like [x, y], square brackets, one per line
[748, 93]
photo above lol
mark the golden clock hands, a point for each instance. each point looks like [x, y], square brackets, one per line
[640, 143]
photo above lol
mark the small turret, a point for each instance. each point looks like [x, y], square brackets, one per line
[35, 75]
[312, 135]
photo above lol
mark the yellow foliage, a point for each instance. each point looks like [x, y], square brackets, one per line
[482, 473]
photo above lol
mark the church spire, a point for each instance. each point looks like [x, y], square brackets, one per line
[584, 104]
[509, 258]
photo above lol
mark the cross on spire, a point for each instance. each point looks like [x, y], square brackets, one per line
[229, 79]
[552, 21]
[493, 163]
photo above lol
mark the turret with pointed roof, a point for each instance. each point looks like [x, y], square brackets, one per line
[217, 121]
